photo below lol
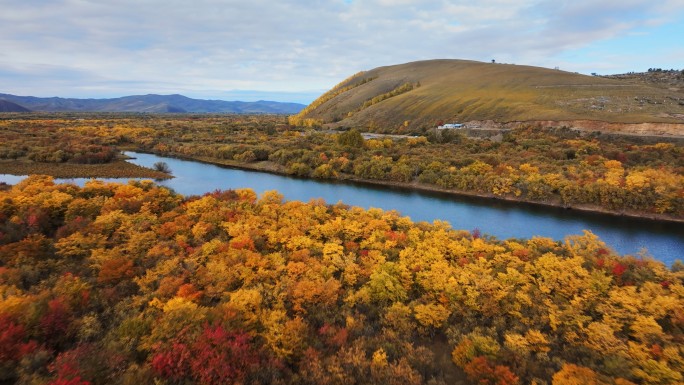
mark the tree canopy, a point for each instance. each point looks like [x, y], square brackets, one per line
[132, 283]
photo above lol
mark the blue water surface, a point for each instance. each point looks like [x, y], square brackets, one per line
[663, 241]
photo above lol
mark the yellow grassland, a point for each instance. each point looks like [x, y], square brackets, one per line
[460, 91]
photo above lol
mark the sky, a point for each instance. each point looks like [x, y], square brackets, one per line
[292, 51]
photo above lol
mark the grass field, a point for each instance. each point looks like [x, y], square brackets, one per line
[461, 91]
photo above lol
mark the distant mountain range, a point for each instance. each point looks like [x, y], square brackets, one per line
[7, 106]
[145, 103]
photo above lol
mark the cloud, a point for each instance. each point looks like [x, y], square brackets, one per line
[133, 46]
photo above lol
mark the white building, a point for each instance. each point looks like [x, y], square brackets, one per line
[451, 126]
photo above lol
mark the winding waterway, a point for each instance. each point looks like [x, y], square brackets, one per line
[664, 241]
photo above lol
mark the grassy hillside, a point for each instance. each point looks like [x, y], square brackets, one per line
[461, 91]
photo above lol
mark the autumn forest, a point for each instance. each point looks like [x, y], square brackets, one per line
[550, 166]
[131, 283]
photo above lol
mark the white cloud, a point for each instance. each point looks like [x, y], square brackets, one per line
[133, 46]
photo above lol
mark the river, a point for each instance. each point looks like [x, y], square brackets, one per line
[663, 241]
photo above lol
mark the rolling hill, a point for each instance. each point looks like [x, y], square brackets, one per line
[152, 104]
[7, 106]
[423, 94]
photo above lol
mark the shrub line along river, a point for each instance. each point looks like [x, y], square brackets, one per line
[663, 240]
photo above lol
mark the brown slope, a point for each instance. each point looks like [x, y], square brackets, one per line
[462, 91]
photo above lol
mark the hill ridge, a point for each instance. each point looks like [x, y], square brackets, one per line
[450, 90]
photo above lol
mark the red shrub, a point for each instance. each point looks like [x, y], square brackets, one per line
[619, 269]
[221, 357]
[174, 363]
[216, 357]
[56, 322]
[12, 345]
[481, 372]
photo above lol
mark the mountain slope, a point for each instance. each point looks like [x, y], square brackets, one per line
[421, 94]
[7, 106]
[153, 104]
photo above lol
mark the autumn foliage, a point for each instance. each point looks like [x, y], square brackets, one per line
[216, 356]
[134, 284]
[482, 372]
[559, 166]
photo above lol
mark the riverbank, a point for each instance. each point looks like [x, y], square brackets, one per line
[273, 168]
[117, 169]
[123, 169]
